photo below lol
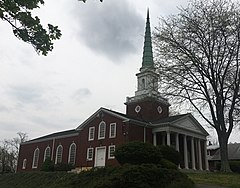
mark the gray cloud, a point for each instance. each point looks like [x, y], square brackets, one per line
[81, 93]
[26, 93]
[110, 28]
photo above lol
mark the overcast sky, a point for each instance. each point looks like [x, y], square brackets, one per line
[93, 65]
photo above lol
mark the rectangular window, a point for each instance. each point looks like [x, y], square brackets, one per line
[91, 133]
[90, 154]
[112, 131]
[111, 150]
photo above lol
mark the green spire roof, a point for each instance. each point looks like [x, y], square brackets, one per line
[147, 60]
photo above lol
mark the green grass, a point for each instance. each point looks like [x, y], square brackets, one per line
[230, 180]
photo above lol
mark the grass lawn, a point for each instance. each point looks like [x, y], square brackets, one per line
[213, 178]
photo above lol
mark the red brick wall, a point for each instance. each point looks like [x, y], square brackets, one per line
[148, 110]
[27, 151]
[125, 132]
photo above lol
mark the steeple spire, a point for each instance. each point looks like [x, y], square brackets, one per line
[147, 59]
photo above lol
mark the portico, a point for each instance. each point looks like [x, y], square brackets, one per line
[187, 136]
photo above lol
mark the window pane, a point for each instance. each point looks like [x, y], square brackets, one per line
[91, 133]
[101, 131]
[59, 154]
[35, 158]
[112, 132]
[111, 150]
[90, 154]
[47, 153]
[72, 154]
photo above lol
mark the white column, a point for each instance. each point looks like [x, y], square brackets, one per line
[205, 155]
[168, 138]
[177, 141]
[199, 154]
[193, 154]
[185, 152]
[163, 139]
[154, 139]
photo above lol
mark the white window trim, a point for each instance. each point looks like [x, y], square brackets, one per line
[57, 153]
[115, 130]
[48, 147]
[111, 146]
[24, 164]
[102, 122]
[90, 159]
[89, 133]
[69, 153]
[33, 163]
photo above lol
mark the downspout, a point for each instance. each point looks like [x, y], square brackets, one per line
[53, 145]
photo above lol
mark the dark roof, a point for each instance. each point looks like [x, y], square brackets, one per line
[233, 152]
[54, 135]
[170, 119]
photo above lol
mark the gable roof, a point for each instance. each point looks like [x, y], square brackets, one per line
[183, 121]
[119, 115]
[233, 153]
[61, 134]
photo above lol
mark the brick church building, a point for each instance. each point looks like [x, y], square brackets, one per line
[147, 119]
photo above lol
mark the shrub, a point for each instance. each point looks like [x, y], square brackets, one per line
[139, 176]
[48, 165]
[138, 153]
[235, 166]
[170, 154]
[63, 167]
[168, 164]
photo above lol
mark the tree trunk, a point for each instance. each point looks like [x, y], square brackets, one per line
[223, 141]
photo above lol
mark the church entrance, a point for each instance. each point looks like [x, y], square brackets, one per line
[100, 156]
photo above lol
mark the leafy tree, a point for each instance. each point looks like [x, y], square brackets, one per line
[138, 153]
[198, 59]
[9, 149]
[18, 13]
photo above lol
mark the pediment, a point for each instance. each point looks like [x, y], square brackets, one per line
[189, 123]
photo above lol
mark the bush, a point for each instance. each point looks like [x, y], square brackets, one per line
[63, 167]
[138, 153]
[168, 164]
[137, 176]
[48, 165]
[234, 165]
[170, 154]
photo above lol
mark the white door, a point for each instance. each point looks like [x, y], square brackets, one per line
[100, 156]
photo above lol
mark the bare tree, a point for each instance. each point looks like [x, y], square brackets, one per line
[198, 59]
[9, 151]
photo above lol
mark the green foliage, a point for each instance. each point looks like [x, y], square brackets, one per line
[48, 165]
[234, 165]
[26, 27]
[170, 154]
[138, 153]
[140, 176]
[63, 167]
[168, 164]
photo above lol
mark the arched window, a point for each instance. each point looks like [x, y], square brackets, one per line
[72, 154]
[59, 152]
[35, 158]
[101, 130]
[24, 164]
[47, 153]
